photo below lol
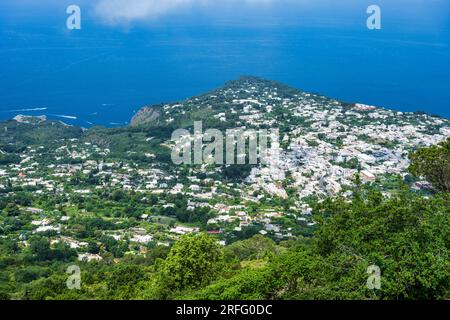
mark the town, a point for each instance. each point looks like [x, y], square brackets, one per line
[107, 199]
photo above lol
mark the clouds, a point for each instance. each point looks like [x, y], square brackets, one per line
[130, 12]
[125, 11]
[117, 11]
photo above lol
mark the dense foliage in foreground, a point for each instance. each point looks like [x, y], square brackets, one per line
[433, 163]
[406, 236]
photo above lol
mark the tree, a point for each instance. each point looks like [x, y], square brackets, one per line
[236, 172]
[93, 247]
[433, 164]
[40, 247]
[6, 159]
[45, 288]
[246, 285]
[118, 195]
[123, 282]
[63, 252]
[194, 261]
[12, 210]
[256, 247]
[406, 236]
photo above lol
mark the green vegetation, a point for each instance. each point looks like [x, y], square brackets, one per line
[111, 202]
[33, 132]
[433, 164]
[407, 236]
[193, 262]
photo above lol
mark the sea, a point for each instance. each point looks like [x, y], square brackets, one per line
[102, 74]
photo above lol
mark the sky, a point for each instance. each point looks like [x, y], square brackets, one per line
[131, 53]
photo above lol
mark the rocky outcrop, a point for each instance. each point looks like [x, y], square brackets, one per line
[146, 115]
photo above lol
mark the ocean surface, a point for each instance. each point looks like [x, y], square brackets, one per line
[101, 75]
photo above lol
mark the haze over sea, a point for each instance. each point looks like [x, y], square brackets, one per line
[123, 59]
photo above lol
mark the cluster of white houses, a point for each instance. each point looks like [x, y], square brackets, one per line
[327, 144]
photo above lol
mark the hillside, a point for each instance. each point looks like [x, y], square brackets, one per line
[340, 197]
[324, 141]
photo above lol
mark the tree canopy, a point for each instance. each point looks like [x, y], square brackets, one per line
[433, 164]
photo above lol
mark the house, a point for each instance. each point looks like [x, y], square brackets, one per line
[34, 210]
[366, 175]
[89, 257]
[47, 228]
[143, 239]
[184, 230]
[195, 188]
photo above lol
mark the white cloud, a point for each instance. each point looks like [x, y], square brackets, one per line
[125, 11]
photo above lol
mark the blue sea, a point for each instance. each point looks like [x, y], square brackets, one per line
[102, 74]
